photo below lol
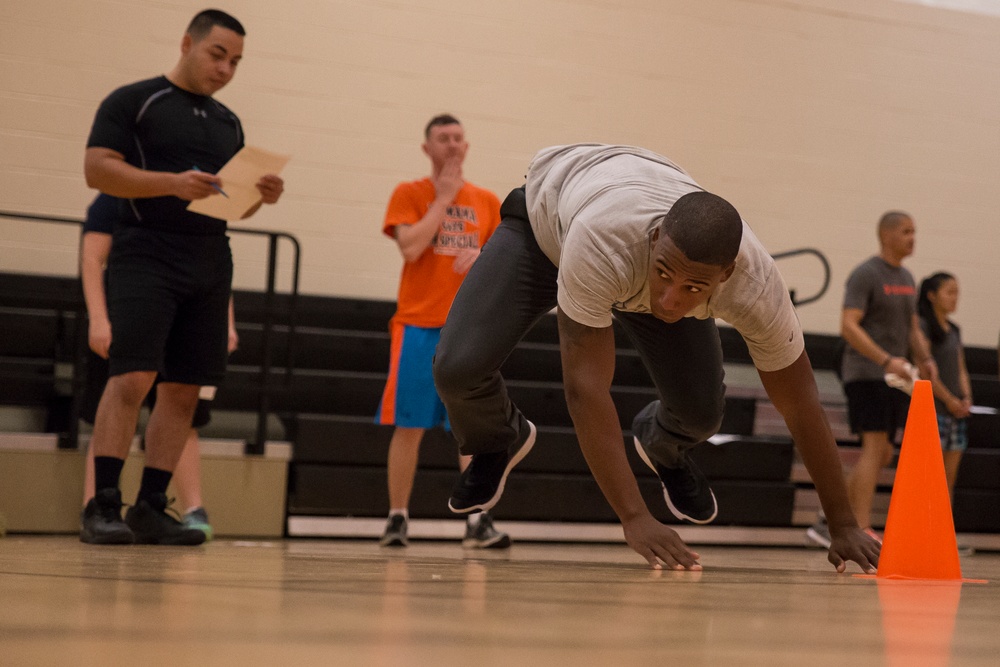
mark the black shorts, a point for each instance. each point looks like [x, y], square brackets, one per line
[874, 406]
[97, 378]
[168, 302]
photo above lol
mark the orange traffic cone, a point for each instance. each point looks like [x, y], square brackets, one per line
[919, 540]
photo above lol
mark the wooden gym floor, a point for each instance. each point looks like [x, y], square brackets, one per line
[350, 602]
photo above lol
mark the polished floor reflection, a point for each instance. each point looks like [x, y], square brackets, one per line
[298, 602]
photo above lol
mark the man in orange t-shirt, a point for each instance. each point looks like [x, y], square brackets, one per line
[439, 223]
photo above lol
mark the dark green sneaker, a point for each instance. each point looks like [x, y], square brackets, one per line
[198, 519]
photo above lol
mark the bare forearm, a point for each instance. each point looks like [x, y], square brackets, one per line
[414, 239]
[920, 348]
[600, 435]
[966, 385]
[120, 179]
[793, 392]
[95, 247]
[92, 277]
[863, 344]
[818, 450]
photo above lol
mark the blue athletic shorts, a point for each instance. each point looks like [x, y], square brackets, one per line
[410, 399]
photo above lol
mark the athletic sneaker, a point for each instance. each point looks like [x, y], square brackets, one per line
[198, 519]
[685, 488]
[480, 485]
[819, 533]
[395, 532]
[101, 520]
[151, 524]
[484, 536]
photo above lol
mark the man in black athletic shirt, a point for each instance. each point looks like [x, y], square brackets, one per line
[156, 145]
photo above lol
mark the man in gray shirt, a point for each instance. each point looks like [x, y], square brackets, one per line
[619, 232]
[880, 325]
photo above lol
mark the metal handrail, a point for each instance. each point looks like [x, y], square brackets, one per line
[826, 273]
[255, 446]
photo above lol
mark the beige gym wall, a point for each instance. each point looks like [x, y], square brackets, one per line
[811, 116]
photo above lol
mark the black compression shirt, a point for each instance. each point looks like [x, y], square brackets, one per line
[160, 127]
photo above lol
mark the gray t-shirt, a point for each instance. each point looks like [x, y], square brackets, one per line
[888, 297]
[945, 355]
[593, 209]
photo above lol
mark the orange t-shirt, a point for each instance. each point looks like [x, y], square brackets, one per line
[429, 283]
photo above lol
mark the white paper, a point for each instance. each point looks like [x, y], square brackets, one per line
[239, 181]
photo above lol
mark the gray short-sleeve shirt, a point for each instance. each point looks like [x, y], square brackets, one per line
[593, 209]
[887, 295]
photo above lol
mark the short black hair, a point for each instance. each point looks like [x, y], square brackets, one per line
[203, 21]
[440, 119]
[705, 227]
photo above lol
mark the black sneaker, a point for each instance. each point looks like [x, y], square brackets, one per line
[151, 524]
[395, 532]
[484, 536]
[480, 486]
[685, 488]
[101, 520]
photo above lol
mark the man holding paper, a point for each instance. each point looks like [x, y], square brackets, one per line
[157, 145]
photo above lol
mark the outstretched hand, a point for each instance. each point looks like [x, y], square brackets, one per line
[853, 544]
[659, 545]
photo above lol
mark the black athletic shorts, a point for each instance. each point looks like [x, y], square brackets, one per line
[168, 302]
[874, 406]
[97, 378]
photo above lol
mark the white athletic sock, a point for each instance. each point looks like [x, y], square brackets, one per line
[473, 519]
[404, 512]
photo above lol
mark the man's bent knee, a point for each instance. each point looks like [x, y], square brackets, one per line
[702, 425]
[130, 388]
[176, 396]
[448, 377]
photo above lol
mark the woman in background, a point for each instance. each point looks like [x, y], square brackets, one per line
[952, 389]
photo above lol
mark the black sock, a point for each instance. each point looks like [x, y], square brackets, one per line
[107, 472]
[154, 482]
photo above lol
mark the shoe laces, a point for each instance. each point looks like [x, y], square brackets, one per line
[167, 506]
[171, 510]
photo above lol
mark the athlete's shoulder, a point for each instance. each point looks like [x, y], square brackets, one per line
[416, 187]
[138, 93]
[143, 88]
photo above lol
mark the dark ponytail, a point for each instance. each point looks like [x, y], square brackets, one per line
[926, 309]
